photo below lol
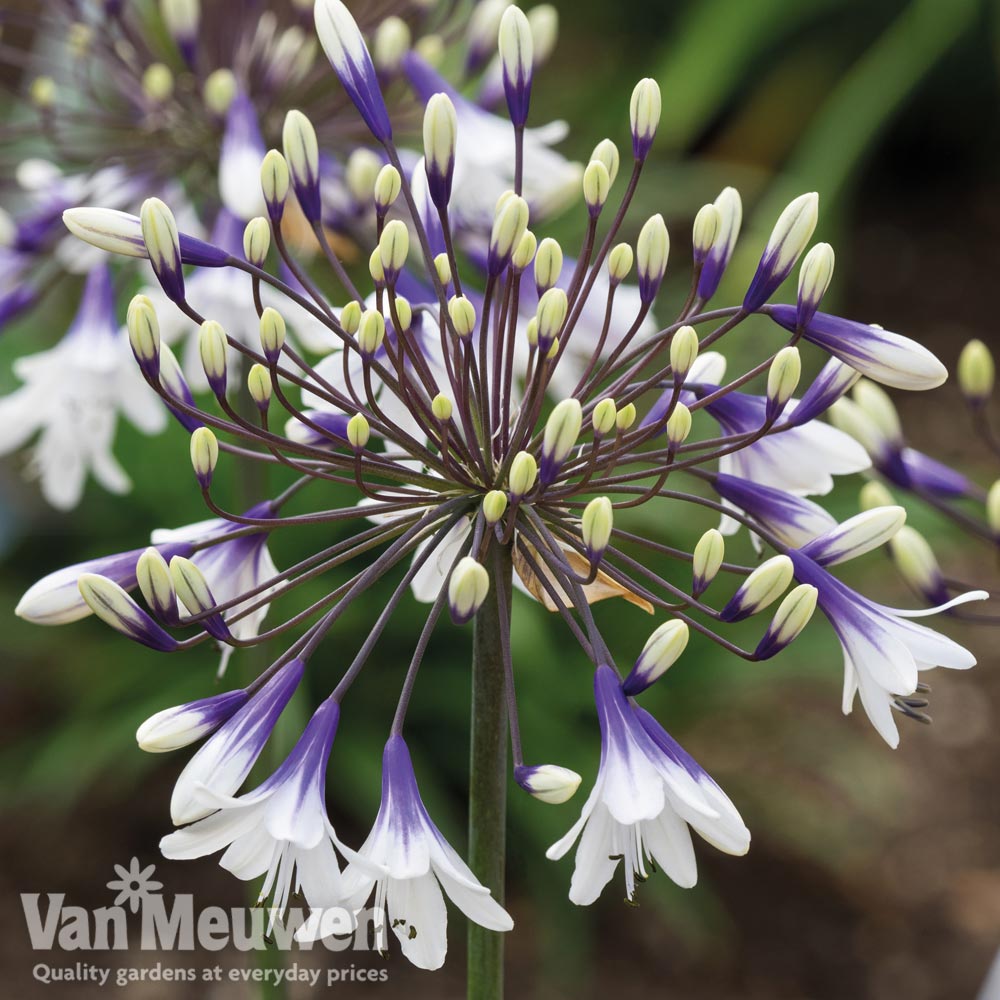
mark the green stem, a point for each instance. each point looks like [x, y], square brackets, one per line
[488, 784]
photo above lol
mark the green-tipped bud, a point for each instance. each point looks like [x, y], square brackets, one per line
[548, 783]
[544, 23]
[626, 417]
[789, 620]
[976, 372]
[390, 44]
[159, 233]
[358, 431]
[551, 314]
[404, 313]
[517, 61]
[443, 267]
[301, 149]
[644, 116]
[873, 494]
[993, 508]
[442, 408]
[371, 333]
[707, 560]
[523, 474]
[879, 408]
[153, 576]
[548, 264]
[375, 268]
[494, 505]
[181, 18]
[350, 317]
[158, 83]
[606, 152]
[362, 169]
[651, 252]
[212, 349]
[463, 315]
[431, 49]
[274, 181]
[259, 384]
[531, 332]
[509, 224]
[219, 91]
[815, 276]
[191, 586]
[272, 333]
[524, 252]
[782, 379]
[468, 586]
[604, 416]
[596, 187]
[388, 184]
[662, 650]
[683, 351]
[917, 564]
[43, 92]
[440, 137]
[257, 241]
[393, 248]
[760, 589]
[561, 432]
[144, 334]
[204, 455]
[678, 425]
[596, 527]
[620, 262]
[707, 224]
[114, 607]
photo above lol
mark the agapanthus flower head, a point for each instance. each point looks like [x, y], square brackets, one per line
[487, 414]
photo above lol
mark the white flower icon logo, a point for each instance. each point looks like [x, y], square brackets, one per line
[134, 884]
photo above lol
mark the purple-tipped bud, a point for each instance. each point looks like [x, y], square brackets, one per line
[517, 62]
[183, 725]
[345, 48]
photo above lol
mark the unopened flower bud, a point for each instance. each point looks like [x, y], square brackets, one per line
[404, 313]
[523, 474]
[219, 91]
[551, 314]
[782, 379]
[43, 92]
[561, 431]
[509, 225]
[375, 268]
[651, 252]
[212, 349]
[157, 82]
[874, 494]
[257, 241]
[494, 505]
[259, 385]
[604, 416]
[790, 237]
[393, 248]
[543, 20]
[524, 252]
[730, 209]
[596, 187]
[195, 594]
[626, 417]
[362, 169]
[678, 425]
[463, 315]
[440, 136]
[606, 152]
[443, 268]
[976, 372]
[298, 138]
[114, 607]
[760, 589]
[662, 650]
[915, 560]
[468, 586]
[707, 560]
[153, 576]
[683, 351]
[815, 276]
[358, 431]
[789, 620]
[159, 233]
[274, 181]
[272, 333]
[879, 408]
[144, 335]
[705, 231]
[548, 264]
[181, 18]
[596, 526]
[548, 783]
[174, 728]
[388, 184]
[517, 62]
[390, 44]
[620, 262]
[482, 31]
[644, 116]
[204, 455]
[350, 317]
[442, 408]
